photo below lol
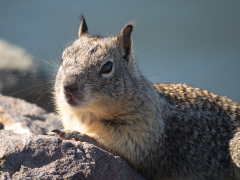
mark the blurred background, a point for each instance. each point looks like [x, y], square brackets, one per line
[192, 42]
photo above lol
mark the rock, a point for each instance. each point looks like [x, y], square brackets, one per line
[22, 117]
[15, 63]
[22, 77]
[47, 157]
[14, 57]
[26, 155]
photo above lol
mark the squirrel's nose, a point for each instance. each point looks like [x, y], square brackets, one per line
[70, 88]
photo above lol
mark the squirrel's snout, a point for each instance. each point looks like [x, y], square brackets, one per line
[72, 94]
[73, 91]
[70, 89]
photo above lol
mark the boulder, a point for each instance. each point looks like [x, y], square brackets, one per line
[23, 117]
[47, 157]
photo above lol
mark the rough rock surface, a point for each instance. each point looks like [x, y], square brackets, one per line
[22, 117]
[45, 157]
[31, 156]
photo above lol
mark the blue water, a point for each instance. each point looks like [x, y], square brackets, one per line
[193, 42]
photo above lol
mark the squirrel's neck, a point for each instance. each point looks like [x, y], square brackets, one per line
[139, 112]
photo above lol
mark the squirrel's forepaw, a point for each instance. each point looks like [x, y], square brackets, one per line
[64, 134]
[68, 135]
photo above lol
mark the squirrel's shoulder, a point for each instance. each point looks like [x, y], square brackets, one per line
[187, 97]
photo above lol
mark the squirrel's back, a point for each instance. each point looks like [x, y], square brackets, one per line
[199, 127]
[189, 98]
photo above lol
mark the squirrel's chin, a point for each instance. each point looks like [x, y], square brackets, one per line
[72, 103]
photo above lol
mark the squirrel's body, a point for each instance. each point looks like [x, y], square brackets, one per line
[167, 131]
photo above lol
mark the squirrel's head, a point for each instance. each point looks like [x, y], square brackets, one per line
[96, 70]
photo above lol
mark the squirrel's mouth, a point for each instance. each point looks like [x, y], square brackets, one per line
[73, 99]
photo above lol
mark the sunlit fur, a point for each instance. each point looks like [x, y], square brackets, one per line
[163, 131]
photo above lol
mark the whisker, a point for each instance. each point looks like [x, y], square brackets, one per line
[56, 51]
[43, 92]
[162, 72]
[30, 88]
[63, 29]
[48, 63]
[51, 100]
[37, 80]
[55, 41]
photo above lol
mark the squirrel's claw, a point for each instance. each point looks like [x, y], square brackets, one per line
[68, 134]
[77, 136]
[62, 135]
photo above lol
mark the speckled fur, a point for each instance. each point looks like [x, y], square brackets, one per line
[167, 131]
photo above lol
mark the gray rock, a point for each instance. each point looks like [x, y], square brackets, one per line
[22, 117]
[15, 62]
[47, 157]
[22, 77]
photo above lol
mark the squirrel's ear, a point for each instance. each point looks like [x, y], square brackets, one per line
[124, 40]
[83, 27]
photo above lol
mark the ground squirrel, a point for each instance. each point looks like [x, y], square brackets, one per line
[166, 131]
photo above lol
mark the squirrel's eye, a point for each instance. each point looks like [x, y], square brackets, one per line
[106, 68]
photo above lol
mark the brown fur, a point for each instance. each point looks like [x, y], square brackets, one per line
[167, 131]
